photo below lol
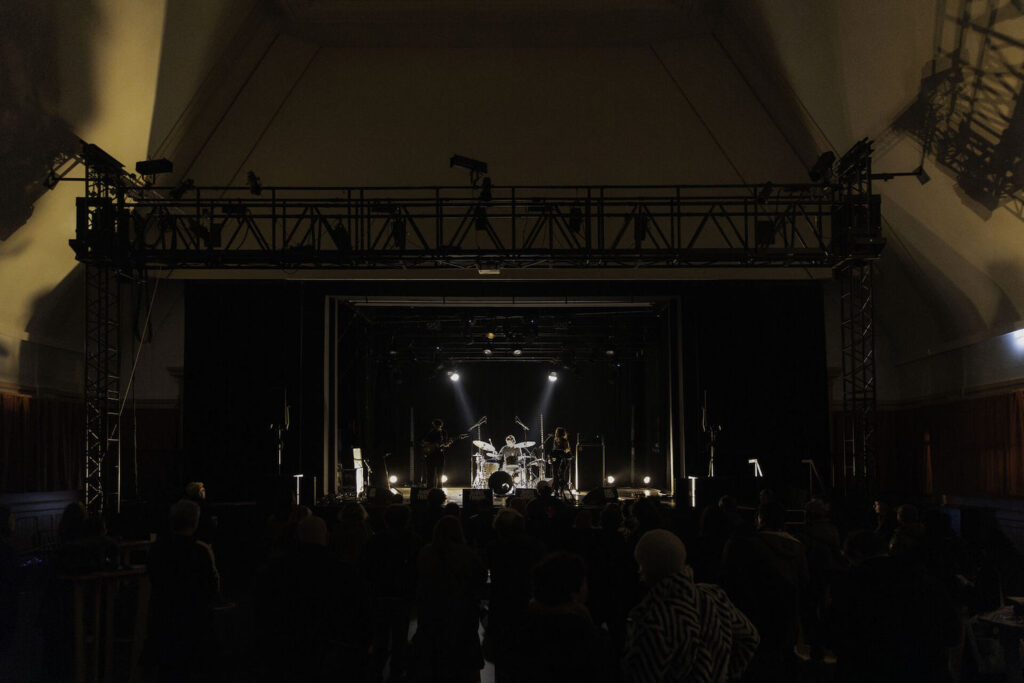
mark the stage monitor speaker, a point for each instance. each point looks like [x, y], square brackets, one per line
[475, 499]
[526, 494]
[590, 459]
[378, 495]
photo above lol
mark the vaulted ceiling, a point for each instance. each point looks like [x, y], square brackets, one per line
[674, 91]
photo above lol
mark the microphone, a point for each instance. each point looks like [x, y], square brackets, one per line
[520, 423]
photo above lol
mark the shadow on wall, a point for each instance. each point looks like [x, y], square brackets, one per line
[32, 135]
[52, 356]
[746, 36]
[969, 111]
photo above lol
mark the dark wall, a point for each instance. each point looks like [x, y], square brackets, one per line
[758, 350]
[246, 350]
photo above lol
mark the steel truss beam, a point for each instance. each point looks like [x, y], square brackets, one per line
[125, 225]
[456, 228]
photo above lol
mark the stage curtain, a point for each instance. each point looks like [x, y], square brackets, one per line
[971, 447]
[41, 443]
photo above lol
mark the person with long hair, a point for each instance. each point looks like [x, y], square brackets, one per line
[559, 451]
[450, 585]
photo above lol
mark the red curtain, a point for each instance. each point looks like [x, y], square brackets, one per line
[972, 447]
[42, 443]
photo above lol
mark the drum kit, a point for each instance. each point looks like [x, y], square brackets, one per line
[504, 474]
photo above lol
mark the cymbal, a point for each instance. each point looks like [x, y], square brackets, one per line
[484, 446]
[525, 444]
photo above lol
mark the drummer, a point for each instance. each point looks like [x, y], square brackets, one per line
[509, 453]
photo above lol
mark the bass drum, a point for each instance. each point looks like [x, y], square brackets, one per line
[501, 483]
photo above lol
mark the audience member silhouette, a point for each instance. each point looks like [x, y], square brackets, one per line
[311, 612]
[8, 579]
[559, 641]
[681, 630]
[350, 536]
[196, 492]
[885, 520]
[181, 640]
[510, 557]
[891, 622]
[390, 570]
[451, 581]
[765, 575]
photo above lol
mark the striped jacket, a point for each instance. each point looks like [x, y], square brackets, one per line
[686, 631]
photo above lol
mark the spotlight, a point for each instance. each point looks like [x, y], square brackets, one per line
[485, 190]
[647, 480]
[255, 186]
[552, 376]
[453, 376]
[922, 175]
[153, 166]
[822, 169]
[490, 335]
[394, 491]
[471, 165]
[444, 478]
[488, 351]
[611, 479]
[393, 479]
[1018, 339]
[51, 180]
[609, 352]
[517, 352]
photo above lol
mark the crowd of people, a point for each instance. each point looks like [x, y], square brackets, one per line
[636, 591]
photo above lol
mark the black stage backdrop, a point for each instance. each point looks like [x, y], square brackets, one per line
[757, 348]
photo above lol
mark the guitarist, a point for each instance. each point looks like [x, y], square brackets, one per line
[432, 448]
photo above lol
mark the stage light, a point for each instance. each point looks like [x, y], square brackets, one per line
[609, 352]
[488, 351]
[611, 480]
[471, 165]
[922, 175]
[1018, 339]
[647, 480]
[393, 479]
[490, 335]
[822, 169]
[517, 352]
[154, 166]
[444, 478]
[453, 376]
[255, 186]
[552, 376]
[394, 491]
[485, 190]
[647, 492]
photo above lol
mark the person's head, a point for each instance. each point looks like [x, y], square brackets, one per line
[508, 522]
[863, 545]
[397, 517]
[584, 520]
[907, 514]
[560, 432]
[436, 499]
[452, 509]
[881, 507]
[72, 522]
[543, 489]
[6, 522]
[771, 516]
[312, 531]
[660, 554]
[299, 513]
[611, 516]
[766, 496]
[816, 510]
[352, 513]
[195, 490]
[516, 503]
[448, 532]
[510, 440]
[560, 578]
[437, 423]
[184, 517]
[727, 503]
